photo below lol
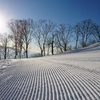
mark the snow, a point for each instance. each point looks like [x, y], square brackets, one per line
[73, 75]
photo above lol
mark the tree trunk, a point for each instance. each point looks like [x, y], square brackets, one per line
[52, 48]
[0, 55]
[26, 51]
[61, 49]
[16, 51]
[48, 49]
[76, 43]
[83, 42]
[65, 47]
[5, 49]
[5, 53]
[41, 53]
[44, 50]
[20, 52]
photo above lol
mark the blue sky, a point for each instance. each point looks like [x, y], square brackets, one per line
[59, 11]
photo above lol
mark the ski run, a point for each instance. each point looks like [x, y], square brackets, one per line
[73, 75]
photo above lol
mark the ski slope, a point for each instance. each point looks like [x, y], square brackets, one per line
[73, 75]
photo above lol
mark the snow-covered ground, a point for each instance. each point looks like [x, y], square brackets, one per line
[73, 75]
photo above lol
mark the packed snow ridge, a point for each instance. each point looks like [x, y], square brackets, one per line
[73, 75]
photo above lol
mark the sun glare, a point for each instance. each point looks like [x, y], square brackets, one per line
[2, 24]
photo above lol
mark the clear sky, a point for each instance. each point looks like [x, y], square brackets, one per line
[59, 11]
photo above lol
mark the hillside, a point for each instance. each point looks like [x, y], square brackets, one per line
[73, 75]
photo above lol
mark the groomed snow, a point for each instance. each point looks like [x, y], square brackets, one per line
[73, 75]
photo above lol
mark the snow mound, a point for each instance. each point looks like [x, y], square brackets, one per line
[92, 48]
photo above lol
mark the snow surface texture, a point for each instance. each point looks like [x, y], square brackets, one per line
[72, 75]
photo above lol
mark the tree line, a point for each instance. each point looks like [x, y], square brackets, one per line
[50, 37]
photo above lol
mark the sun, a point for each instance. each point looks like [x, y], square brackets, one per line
[2, 24]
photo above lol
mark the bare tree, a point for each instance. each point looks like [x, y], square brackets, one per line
[4, 43]
[27, 30]
[21, 35]
[52, 43]
[51, 37]
[43, 28]
[85, 30]
[48, 45]
[58, 42]
[64, 35]
[77, 34]
[13, 26]
[96, 32]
